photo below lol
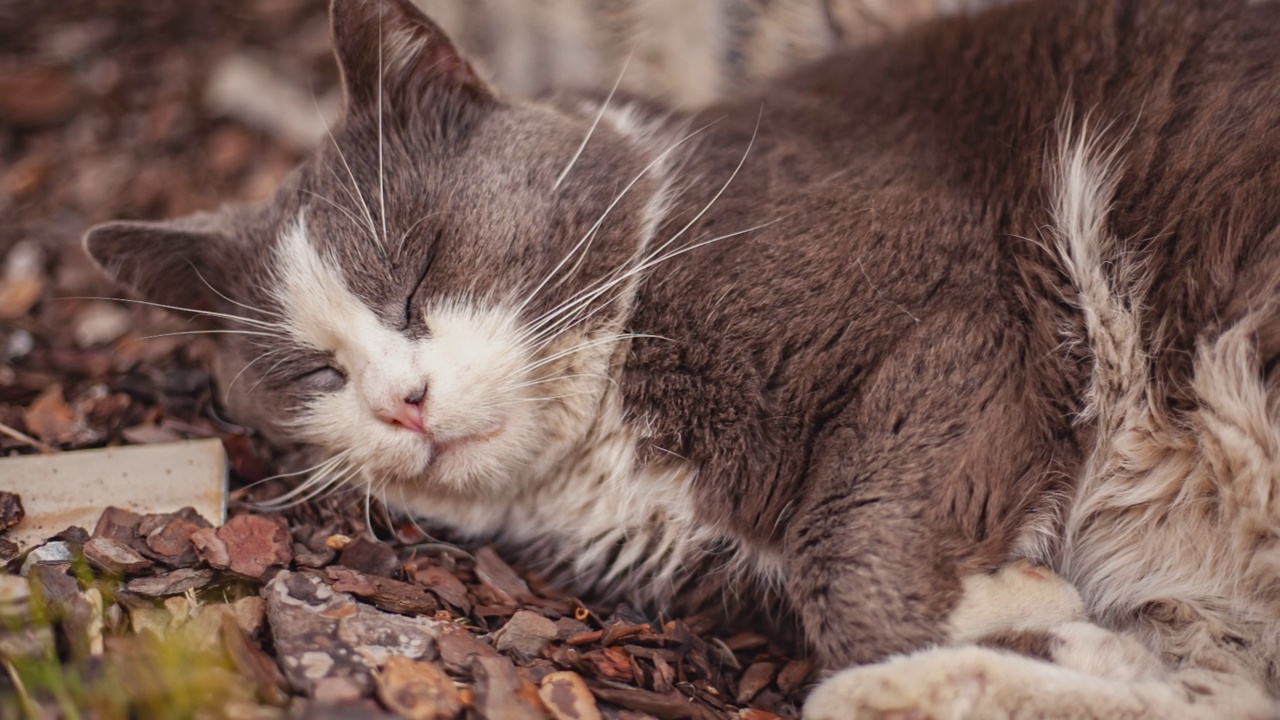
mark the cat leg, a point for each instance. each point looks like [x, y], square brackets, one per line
[1033, 656]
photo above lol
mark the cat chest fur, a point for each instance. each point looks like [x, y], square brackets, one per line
[604, 524]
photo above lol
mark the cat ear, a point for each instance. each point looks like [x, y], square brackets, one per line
[168, 263]
[391, 46]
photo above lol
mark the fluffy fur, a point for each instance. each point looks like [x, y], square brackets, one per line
[960, 354]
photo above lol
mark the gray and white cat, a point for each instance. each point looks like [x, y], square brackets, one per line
[962, 351]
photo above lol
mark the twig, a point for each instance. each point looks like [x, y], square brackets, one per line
[25, 438]
[28, 707]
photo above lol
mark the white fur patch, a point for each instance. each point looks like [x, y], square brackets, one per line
[466, 366]
[1020, 596]
[562, 473]
[1174, 518]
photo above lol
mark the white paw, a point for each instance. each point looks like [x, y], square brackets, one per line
[931, 685]
[1019, 596]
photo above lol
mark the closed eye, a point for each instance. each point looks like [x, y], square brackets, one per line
[323, 379]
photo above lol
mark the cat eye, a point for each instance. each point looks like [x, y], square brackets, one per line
[324, 379]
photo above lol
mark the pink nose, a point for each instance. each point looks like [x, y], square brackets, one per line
[407, 414]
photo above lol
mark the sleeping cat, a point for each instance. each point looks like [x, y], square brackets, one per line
[961, 352]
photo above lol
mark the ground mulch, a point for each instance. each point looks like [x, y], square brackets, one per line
[329, 609]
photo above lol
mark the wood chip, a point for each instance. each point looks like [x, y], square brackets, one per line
[671, 706]
[51, 419]
[8, 550]
[757, 714]
[372, 558]
[118, 524]
[746, 641]
[567, 697]
[794, 675]
[445, 585]
[390, 595]
[255, 543]
[613, 663]
[11, 511]
[620, 630]
[115, 557]
[525, 634]
[210, 548]
[501, 693]
[35, 96]
[170, 543]
[174, 583]
[252, 662]
[337, 542]
[499, 578]
[756, 678]
[417, 690]
[458, 647]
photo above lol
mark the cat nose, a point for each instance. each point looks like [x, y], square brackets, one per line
[408, 414]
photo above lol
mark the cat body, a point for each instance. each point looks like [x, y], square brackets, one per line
[850, 350]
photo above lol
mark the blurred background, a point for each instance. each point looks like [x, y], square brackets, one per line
[119, 109]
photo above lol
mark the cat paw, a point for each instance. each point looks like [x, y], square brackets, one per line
[1020, 596]
[945, 684]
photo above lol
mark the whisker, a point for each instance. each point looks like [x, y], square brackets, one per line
[519, 401]
[224, 297]
[649, 264]
[211, 332]
[382, 193]
[328, 474]
[177, 308]
[594, 124]
[583, 346]
[322, 465]
[354, 185]
[590, 233]
[742, 161]
[267, 374]
[226, 396]
[557, 378]
[354, 220]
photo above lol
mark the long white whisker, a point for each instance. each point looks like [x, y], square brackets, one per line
[323, 465]
[354, 185]
[211, 332]
[588, 298]
[556, 378]
[227, 394]
[741, 161]
[354, 220]
[222, 316]
[594, 124]
[521, 401]
[382, 193]
[586, 237]
[310, 489]
[267, 374]
[583, 346]
[224, 297]
[723, 188]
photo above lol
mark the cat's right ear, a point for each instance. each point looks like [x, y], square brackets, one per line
[167, 263]
[388, 50]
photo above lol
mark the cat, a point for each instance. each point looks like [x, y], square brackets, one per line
[961, 352]
[687, 54]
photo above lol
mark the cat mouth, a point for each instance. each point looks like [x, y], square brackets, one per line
[440, 446]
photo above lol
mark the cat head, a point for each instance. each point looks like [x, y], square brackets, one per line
[436, 295]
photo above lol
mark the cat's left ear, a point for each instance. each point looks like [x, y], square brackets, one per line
[387, 48]
[188, 263]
